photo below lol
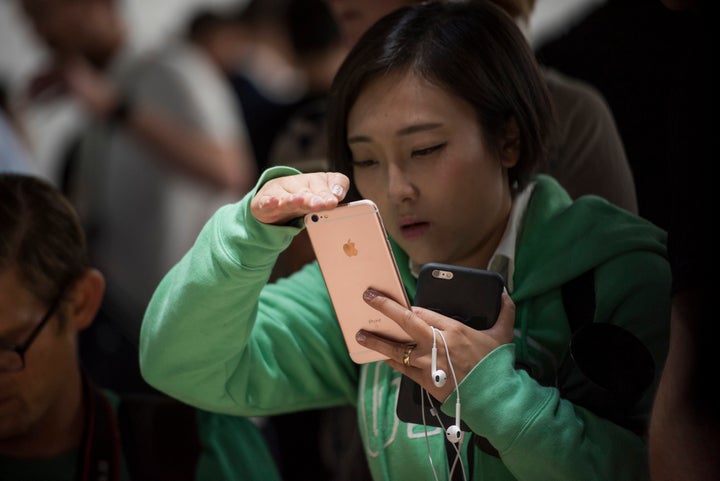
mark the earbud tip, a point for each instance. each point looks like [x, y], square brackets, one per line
[439, 378]
[454, 434]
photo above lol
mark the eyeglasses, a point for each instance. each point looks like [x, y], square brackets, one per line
[12, 358]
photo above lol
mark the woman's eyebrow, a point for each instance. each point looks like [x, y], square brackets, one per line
[358, 138]
[410, 129]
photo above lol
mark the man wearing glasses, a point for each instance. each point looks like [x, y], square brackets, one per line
[55, 424]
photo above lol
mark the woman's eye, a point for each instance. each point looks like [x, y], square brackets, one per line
[363, 163]
[428, 150]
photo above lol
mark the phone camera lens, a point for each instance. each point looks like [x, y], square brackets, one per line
[314, 218]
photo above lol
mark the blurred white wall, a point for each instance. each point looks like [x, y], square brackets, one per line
[552, 18]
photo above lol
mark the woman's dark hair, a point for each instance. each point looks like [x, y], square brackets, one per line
[471, 49]
[40, 235]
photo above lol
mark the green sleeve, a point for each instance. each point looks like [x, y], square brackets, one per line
[542, 436]
[217, 336]
[232, 448]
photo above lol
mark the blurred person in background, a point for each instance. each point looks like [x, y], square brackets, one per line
[684, 436]
[14, 152]
[641, 56]
[250, 45]
[655, 63]
[301, 140]
[163, 149]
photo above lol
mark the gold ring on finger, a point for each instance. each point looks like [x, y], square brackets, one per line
[406, 355]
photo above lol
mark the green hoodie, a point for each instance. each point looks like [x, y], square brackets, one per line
[217, 336]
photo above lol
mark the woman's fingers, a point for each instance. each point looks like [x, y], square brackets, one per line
[406, 318]
[416, 321]
[503, 329]
[283, 199]
[467, 345]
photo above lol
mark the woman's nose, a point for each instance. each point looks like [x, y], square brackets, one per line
[400, 186]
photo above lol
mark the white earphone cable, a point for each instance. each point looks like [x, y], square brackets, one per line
[435, 412]
[427, 441]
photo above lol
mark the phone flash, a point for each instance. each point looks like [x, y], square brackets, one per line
[440, 274]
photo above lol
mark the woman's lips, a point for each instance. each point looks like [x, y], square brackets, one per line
[415, 230]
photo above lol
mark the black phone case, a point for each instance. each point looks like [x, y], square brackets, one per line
[472, 296]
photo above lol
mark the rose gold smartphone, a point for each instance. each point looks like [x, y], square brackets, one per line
[353, 251]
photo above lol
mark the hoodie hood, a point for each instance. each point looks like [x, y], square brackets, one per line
[561, 239]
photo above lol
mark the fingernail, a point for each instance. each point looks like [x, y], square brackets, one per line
[360, 337]
[316, 200]
[370, 294]
[337, 190]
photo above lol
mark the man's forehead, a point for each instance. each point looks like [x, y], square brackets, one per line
[18, 307]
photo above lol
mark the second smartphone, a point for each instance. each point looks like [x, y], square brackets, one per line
[471, 296]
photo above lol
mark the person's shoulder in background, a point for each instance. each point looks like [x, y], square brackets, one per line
[588, 155]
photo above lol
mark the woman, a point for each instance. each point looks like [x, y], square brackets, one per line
[439, 115]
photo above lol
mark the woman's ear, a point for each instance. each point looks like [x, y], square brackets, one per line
[510, 151]
[85, 299]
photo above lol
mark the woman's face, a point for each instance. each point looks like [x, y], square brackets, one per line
[419, 154]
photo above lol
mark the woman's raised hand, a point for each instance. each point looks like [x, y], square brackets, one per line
[285, 198]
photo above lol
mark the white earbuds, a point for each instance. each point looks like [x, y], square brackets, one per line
[439, 376]
[453, 432]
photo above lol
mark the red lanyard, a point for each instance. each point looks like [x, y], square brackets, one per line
[99, 458]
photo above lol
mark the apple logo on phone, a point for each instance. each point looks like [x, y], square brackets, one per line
[350, 249]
